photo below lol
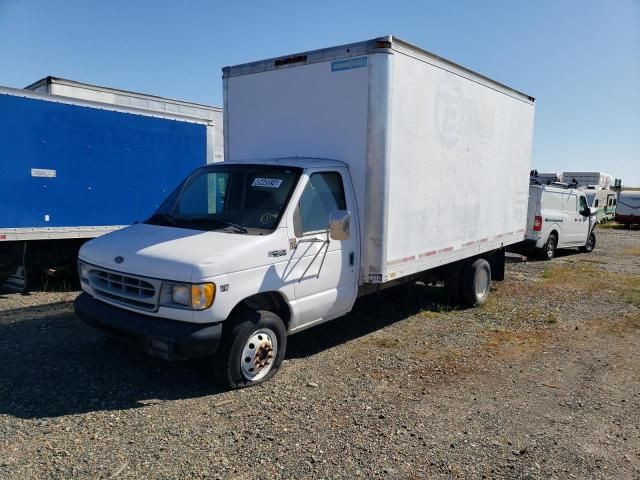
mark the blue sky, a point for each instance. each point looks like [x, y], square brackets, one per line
[580, 59]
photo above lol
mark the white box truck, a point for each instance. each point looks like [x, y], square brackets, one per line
[346, 170]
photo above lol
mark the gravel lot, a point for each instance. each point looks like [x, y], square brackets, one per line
[541, 382]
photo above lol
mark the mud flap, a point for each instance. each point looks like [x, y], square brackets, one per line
[497, 261]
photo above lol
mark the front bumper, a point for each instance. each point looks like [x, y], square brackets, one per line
[161, 337]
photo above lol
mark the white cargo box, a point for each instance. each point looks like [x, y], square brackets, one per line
[439, 155]
[584, 179]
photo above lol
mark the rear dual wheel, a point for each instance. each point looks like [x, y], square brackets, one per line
[469, 284]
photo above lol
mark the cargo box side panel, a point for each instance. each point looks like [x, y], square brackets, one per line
[316, 110]
[65, 166]
[460, 161]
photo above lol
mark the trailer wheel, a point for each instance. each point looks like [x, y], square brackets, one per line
[590, 245]
[549, 249]
[252, 349]
[476, 282]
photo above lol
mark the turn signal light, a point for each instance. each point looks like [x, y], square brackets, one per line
[202, 295]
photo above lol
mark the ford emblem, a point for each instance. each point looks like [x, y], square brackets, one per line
[118, 259]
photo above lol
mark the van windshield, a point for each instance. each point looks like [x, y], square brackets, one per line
[246, 199]
[590, 197]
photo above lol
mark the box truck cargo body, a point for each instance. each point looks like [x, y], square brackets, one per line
[75, 169]
[439, 155]
[346, 170]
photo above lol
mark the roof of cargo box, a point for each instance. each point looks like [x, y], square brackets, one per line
[386, 44]
[44, 85]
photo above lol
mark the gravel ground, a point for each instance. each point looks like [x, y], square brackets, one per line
[541, 382]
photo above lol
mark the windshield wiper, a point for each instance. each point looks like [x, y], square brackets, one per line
[223, 223]
[162, 217]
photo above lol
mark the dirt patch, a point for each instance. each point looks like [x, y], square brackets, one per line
[540, 382]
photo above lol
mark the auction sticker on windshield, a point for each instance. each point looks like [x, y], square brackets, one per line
[267, 182]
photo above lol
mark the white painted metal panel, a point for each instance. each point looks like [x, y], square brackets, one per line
[306, 111]
[459, 165]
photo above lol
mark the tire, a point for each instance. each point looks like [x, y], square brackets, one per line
[590, 245]
[549, 249]
[252, 349]
[476, 283]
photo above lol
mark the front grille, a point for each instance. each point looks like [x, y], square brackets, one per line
[137, 292]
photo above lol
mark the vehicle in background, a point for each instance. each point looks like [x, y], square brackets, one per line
[628, 208]
[603, 201]
[584, 179]
[324, 196]
[74, 169]
[210, 116]
[559, 218]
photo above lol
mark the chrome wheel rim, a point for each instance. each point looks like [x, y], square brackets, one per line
[483, 282]
[258, 354]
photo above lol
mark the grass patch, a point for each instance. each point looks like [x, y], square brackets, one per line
[587, 279]
[635, 251]
[631, 293]
[611, 225]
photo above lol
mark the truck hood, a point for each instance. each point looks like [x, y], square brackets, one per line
[179, 254]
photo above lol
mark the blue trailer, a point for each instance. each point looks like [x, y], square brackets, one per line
[74, 169]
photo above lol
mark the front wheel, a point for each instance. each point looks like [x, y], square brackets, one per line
[252, 349]
[590, 245]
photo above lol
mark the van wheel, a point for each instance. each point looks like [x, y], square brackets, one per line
[476, 282]
[252, 350]
[549, 250]
[590, 245]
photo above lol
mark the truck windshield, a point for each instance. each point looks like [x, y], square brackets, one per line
[232, 198]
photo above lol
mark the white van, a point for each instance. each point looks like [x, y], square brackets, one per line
[559, 218]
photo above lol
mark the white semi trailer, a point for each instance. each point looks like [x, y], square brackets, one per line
[347, 170]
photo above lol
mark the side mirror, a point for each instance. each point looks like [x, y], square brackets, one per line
[340, 225]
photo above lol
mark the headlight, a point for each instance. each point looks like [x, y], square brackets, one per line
[180, 294]
[194, 296]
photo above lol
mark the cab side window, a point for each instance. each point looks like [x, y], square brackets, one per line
[323, 194]
[583, 205]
